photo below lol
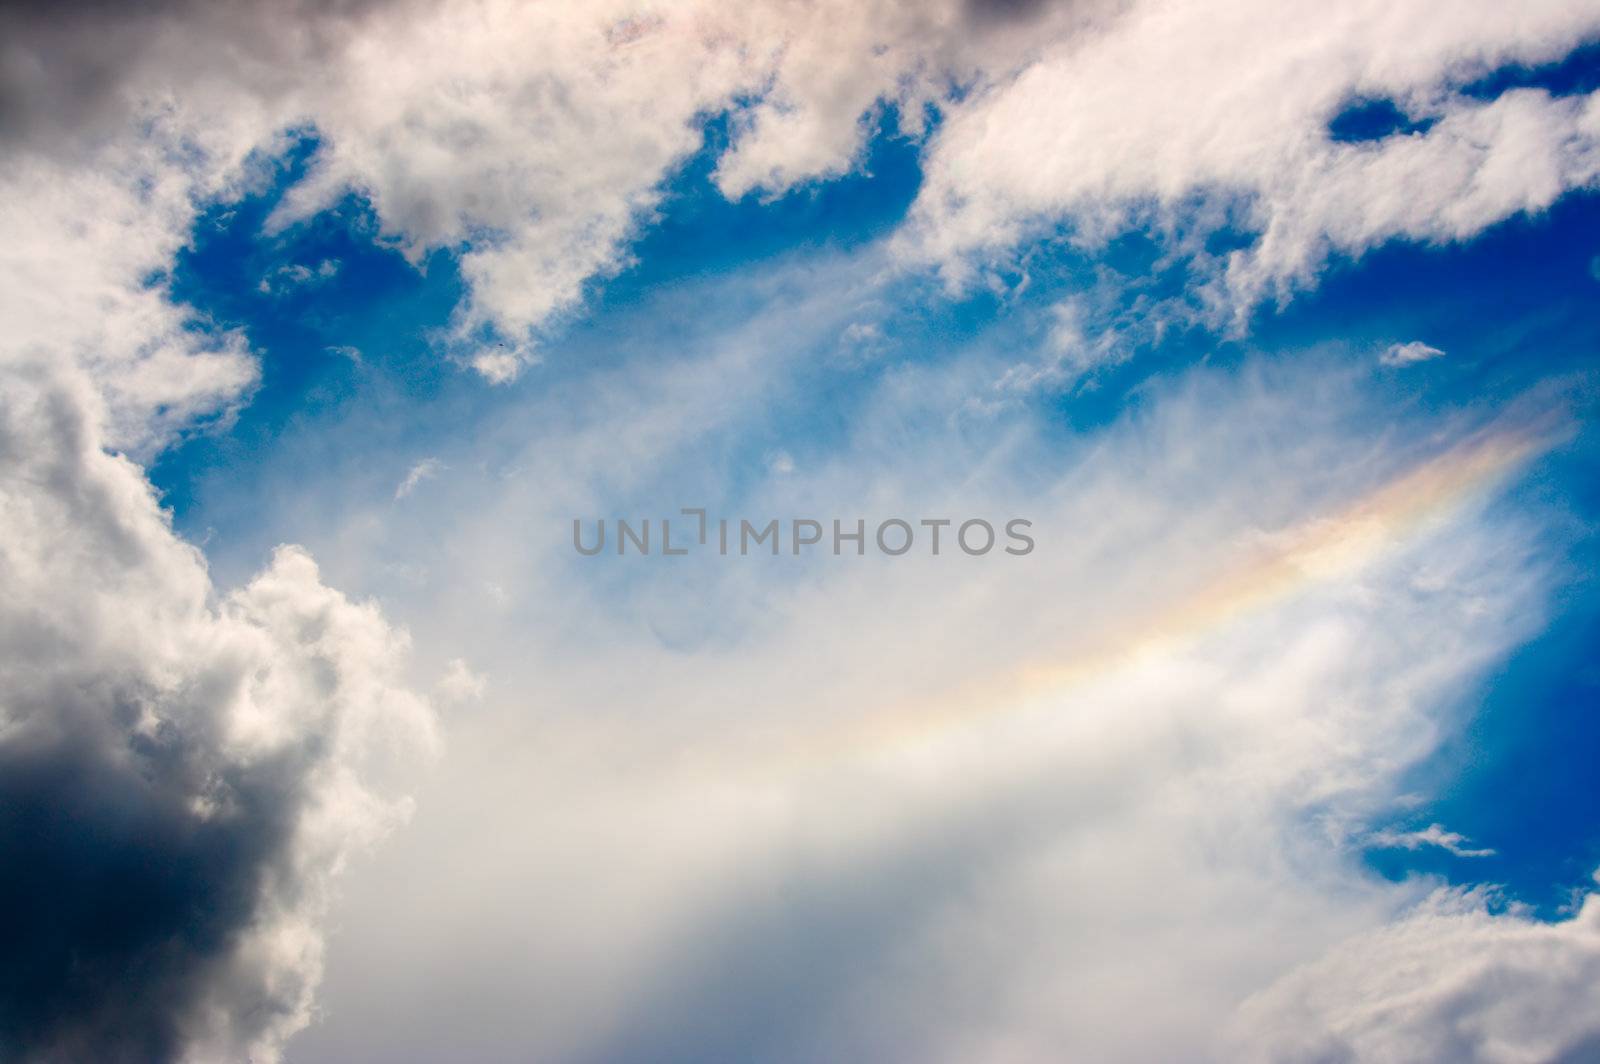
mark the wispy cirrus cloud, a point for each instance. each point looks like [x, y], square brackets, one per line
[425, 469]
[907, 832]
[1433, 835]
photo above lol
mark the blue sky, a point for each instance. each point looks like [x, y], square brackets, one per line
[1514, 307]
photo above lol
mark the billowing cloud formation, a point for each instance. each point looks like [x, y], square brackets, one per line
[1448, 982]
[81, 269]
[533, 139]
[1195, 116]
[536, 137]
[179, 776]
[182, 775]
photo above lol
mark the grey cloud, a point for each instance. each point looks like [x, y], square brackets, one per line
[76, 71]
[983, 11]
[179, 777]
[120, 903]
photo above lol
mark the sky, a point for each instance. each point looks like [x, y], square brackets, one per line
[328, 328]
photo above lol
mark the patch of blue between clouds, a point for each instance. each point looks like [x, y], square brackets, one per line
[1517, 308]
[698, 232]
[341, 321]
[353, 389]
[1578, 72]
[1374, 118]
[354, 383]
[1366, 120]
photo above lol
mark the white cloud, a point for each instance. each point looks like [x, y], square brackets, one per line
[530, 140]
[536, 135]
[1073, 354]
[1408, 353]
[460, 684]
[533, 141]
[1432, 835]
[426, 469]
[829, 66]
[296, 275]
[1191, 116]
[81, 280]
[1447, 982]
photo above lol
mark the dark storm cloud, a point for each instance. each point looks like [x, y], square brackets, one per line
[75, 70]
[133, 852]
[174, 773]
[119, 903]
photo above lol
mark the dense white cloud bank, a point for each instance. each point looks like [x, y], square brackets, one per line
[1193, 116]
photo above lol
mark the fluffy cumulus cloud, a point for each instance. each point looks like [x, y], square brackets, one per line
[83, 284]
[181, 773]
[533, 140]
[1198, 116]
[426, 469]
[184, 771]
[537, 137]
[1448, 982]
